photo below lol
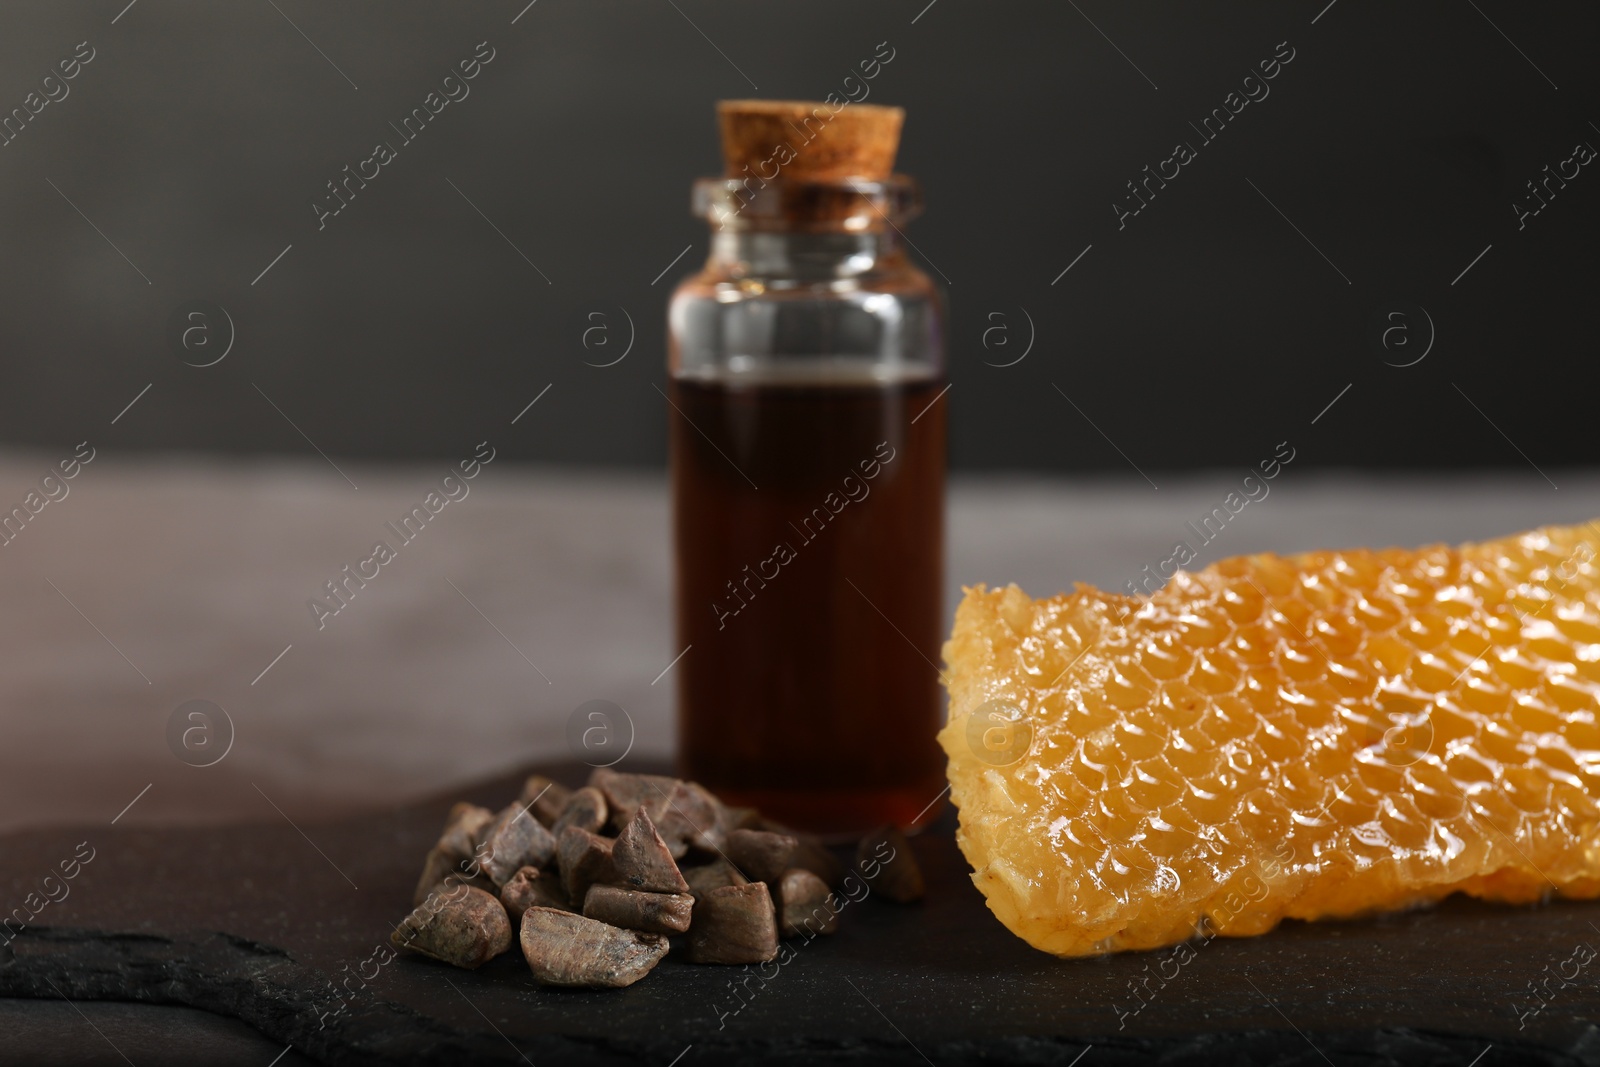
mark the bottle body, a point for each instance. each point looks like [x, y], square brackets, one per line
[808, 459]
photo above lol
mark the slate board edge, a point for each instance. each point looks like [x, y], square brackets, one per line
[264, 987]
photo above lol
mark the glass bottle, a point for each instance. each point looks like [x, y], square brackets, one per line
[807, 441]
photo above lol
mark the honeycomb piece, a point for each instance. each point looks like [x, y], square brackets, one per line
[1315, 736]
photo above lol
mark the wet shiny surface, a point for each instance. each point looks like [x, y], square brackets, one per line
[1316, 736]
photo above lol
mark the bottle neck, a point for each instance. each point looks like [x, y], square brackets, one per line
[804, 258]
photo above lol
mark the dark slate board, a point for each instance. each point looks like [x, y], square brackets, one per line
[254, 923]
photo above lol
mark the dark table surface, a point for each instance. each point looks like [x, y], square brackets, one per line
[255, 923]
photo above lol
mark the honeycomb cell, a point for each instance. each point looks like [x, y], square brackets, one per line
[1319, 736]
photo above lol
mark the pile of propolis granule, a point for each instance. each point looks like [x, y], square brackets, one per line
[598, 881]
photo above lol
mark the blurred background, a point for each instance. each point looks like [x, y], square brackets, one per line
[553, 200]
[1377, 260]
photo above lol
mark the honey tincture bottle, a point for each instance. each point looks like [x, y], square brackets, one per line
[807, 438]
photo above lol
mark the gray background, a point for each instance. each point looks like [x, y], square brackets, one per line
[1199, 336]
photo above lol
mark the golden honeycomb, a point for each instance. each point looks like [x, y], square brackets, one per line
[1313, 736]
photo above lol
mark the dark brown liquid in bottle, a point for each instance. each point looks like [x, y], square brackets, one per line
[810, 565]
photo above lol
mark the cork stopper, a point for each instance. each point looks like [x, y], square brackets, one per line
[808, 140]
